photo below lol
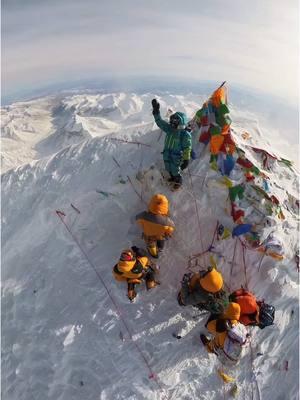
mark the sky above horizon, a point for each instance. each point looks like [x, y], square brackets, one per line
[254, 44]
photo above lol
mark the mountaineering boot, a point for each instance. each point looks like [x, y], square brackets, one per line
[179, 299]
[151, 283]
[150, 280]
[171, 179]
[176, 183]
[207, 343]
[176, 186]
[131, 294]
[153, 250]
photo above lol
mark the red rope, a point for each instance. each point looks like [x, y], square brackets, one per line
[244, 248]
[232, 263]
[136, 192]
[197, 211]
[116, 161]
[130, 181]
[260, 261]
[209, 248]
[152, 375]
[75, 208]
[199, 254]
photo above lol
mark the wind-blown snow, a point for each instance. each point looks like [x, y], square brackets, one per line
[61, 331]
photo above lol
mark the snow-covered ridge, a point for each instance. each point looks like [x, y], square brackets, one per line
[35, 129]
[32, 130]
[61, 333]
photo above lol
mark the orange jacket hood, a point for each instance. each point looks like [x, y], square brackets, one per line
[232, 312]
[159, 204]
[212, 282]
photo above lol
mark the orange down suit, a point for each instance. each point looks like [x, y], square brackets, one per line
[249, 307]
[131, 271]
[155, 223]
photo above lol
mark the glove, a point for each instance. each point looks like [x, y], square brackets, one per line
[185, 164]
[155, 106]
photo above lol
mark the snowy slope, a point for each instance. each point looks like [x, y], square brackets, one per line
[61, 330]
[35, 129]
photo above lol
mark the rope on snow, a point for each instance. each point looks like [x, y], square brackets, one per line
[197, 211]
[244, 249]
[152, 375]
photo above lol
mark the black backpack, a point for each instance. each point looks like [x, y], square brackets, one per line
[266, 315]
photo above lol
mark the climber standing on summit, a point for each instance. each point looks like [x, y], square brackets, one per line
[156, 224]
[178, 144]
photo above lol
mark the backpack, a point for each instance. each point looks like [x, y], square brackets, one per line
[266, 315]
[233, 345]
[248, 303]
[249, 306]
[246, 300]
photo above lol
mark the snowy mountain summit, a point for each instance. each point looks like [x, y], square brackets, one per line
[76, 169]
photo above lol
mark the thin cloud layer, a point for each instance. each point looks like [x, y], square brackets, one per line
[254, 44]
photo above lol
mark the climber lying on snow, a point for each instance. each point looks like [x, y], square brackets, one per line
[229, 336]
[204, 290]
[178, 143]
[133, 267]
[253, 312]
[156, 224]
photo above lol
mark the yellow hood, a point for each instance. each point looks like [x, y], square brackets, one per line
[125, 266]
[159, 204]
[232, 312]
[212, 282]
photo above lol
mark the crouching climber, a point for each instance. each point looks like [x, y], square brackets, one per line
[204, 290]
[178, 143]
[253, 312]
[156, 225]
[133, 267]
[229, 336]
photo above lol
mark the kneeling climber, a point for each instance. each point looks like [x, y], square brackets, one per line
[204, 290]
[133, 267]
[253, 312]
[178, 143]
[229, 336]
[156, 224]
